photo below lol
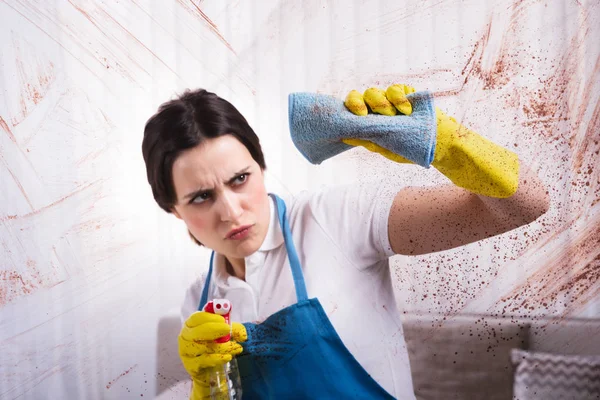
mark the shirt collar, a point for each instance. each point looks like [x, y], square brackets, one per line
[274, 236]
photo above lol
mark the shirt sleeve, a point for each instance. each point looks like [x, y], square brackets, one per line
[355, 217]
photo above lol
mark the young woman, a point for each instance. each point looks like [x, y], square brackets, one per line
[308, 277]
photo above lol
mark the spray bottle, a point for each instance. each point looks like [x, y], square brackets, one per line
[224, 380]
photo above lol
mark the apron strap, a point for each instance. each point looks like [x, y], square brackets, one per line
[297, 274]
[301, 293]
[204, 298]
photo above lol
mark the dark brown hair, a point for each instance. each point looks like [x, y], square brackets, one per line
[184, 123]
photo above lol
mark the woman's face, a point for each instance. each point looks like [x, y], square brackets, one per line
[221, 196]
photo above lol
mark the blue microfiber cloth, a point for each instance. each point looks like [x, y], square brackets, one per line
[319, 122]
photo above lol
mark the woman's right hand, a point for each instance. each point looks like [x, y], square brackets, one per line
[197, 347]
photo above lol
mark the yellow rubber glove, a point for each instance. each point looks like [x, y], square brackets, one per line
[199, 352]
[466, 158]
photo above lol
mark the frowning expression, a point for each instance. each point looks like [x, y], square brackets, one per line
[221, 196]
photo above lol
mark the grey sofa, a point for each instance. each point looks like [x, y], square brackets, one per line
[469, 356]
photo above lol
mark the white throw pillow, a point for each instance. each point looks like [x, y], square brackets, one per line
[544, 376]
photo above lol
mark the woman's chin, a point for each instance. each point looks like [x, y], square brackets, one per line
[245, 248]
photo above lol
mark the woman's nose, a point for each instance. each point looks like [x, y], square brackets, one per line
[231, 208]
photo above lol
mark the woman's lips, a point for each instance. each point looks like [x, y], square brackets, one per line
[239, 233]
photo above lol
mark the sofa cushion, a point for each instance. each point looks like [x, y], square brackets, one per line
[562, 335]
[544, 376]
[464, 358]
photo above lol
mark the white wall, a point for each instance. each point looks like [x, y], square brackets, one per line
[90, 266]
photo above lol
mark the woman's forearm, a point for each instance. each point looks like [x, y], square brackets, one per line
[530, 201]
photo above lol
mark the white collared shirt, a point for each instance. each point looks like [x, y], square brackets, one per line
[341, 237]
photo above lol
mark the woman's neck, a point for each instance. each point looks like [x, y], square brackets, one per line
[236, 267]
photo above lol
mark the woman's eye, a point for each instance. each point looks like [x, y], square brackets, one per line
[241, 179]
[201, 198]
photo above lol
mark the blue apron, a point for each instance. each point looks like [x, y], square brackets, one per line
[296, 353]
